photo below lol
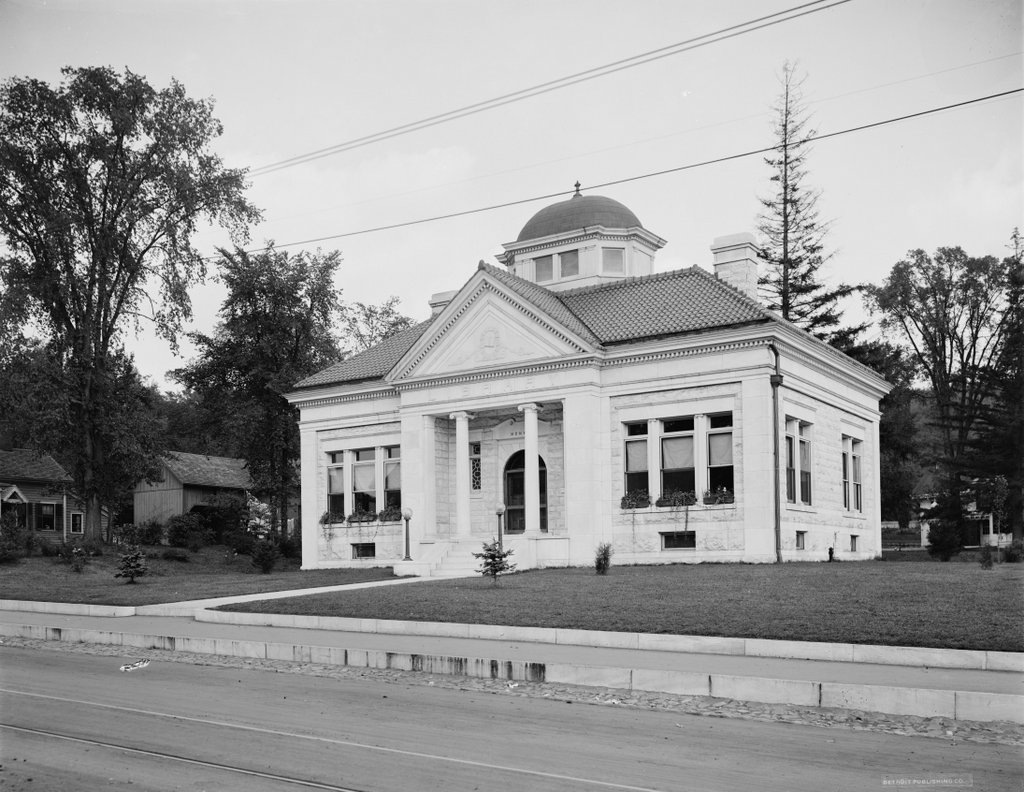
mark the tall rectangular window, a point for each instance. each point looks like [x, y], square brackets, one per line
[76, 523]
[636, 457]
[613, 261]
[677, 468]
[544, 269]
[805, 464]
[790, 468]
[569, 262]
[798, 461]
[336, 484]
[364, 483]
[392, 478]
[855, 465]
[720, 468]
[852, 489]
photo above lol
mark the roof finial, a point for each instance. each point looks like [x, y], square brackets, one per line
[577, 188]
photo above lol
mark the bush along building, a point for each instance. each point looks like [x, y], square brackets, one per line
[575, 397]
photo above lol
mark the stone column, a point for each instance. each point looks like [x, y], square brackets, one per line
[428, 460]
[462, 513]
[531, 469]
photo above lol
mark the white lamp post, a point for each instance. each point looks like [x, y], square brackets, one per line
[407, 515]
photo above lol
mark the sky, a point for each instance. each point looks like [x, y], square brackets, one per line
[290, 77]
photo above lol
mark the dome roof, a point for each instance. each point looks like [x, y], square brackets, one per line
[578, 212]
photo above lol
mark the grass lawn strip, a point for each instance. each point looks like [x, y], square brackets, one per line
[212, 572]
[955, 605]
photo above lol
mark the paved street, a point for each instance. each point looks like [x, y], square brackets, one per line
[73, 721]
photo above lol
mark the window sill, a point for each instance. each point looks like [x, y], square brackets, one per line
[802, 507]
[852, 515]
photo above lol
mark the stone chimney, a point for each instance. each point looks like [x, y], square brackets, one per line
[736, 262]
[440, 300]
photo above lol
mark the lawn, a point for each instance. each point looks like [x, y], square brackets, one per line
[212, 572]
[954, 605]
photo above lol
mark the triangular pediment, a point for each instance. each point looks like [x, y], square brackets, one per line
[487, 327]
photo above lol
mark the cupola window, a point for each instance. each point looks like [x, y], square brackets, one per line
[613, 261]
[570, 263]
[544, 268]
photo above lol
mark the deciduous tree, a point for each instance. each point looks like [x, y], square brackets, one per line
[103, 180]
[952, 310]
[277, 326]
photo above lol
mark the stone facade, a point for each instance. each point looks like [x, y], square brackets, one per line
[557, 405]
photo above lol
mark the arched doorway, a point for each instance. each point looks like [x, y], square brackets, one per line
[515, 493]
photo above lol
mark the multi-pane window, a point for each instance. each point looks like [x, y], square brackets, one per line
[76, 523]
[475, 476]
[569, 262]
[720, 469]
[798, 461]
[677, 467]
[364, 480]
[392, 478]
[48, 516]
[852, 488]
[544, 268]
[613, 261]
[336, 484]
[636, 457]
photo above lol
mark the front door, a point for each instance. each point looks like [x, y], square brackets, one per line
[515, 493]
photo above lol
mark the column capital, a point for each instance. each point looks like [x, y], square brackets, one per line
[461, 415]
[529, 407]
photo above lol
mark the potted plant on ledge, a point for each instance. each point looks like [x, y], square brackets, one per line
[635, 499]
[390, 514]
[676, 498]
[719, 497]
[361, 516]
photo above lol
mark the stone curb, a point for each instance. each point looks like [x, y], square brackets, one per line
[965, 705]
[751, 647]
[980, 660]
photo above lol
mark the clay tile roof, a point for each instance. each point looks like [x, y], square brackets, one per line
[371, 364]
[209, 471]
[24, 464]
[668, 303]
[546, 300]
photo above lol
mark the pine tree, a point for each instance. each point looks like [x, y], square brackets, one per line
[792, 235]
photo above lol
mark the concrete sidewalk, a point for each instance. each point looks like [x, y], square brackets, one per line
[961, 693]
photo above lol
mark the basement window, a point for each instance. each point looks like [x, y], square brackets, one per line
[679, 540]
[364, 550]
[801, 540]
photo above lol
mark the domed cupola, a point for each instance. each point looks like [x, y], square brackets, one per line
[586, 240]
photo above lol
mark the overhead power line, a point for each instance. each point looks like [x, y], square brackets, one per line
[652, 174]
[554, 85]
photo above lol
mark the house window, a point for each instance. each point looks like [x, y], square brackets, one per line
[612, 261]
[49, 516]
[336, 484]
[679, 540]
[364, 550]
[77, 526]
[392, 478]
[801, 540]
[636, 457]
[677, 469]
[720, 470]
[364, 480]
[852, 490]
[475, 476]
[569, 262]
[853, 543]
[798, 461]
[544, 268]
